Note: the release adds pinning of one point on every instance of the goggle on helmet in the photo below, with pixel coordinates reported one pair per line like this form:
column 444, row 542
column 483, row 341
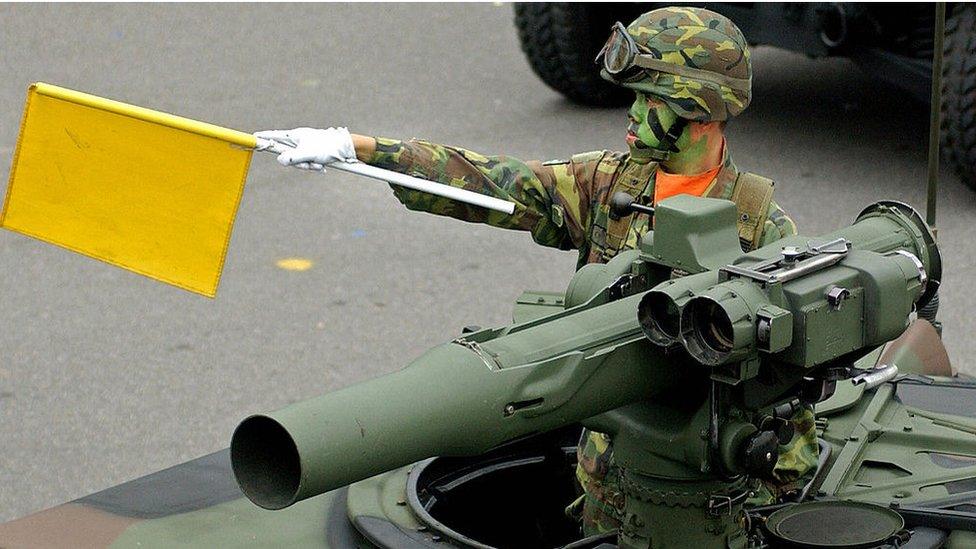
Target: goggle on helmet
column 624, row 62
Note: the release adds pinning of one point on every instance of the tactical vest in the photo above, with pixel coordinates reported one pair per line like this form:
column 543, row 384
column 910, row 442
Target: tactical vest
column 608, row 234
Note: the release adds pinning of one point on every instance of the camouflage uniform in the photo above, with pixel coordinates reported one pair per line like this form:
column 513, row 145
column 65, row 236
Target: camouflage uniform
column 706, row 77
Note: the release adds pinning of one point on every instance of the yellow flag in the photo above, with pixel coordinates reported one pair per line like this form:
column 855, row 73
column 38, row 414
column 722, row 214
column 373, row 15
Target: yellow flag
column 144, row 190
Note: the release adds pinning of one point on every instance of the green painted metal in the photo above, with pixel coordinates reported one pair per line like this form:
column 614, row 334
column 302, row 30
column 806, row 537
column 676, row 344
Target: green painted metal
column 961, row 540
column 532, row 305
column 236, row 523
column 591, row 284
column 683, row 423
column 846, row 395
column 493, row 387
column 885, row 451
column 709, row 245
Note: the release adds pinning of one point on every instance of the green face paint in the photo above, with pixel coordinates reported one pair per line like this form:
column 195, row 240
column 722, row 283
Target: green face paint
column 649, row 120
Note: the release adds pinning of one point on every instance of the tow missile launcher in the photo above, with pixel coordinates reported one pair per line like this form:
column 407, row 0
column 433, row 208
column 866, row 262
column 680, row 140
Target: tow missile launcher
column 679, row 350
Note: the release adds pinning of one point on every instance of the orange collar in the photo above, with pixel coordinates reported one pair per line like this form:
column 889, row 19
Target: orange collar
column 667, row 184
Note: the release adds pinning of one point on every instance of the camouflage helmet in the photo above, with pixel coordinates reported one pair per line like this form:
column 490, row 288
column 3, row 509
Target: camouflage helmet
column 693, row 59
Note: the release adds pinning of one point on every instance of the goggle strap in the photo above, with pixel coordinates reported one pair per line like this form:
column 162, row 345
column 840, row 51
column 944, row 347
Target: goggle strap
column 657, row 130
column 674, row 132
column 659, row 155
column 668, row 141
column 647, row 62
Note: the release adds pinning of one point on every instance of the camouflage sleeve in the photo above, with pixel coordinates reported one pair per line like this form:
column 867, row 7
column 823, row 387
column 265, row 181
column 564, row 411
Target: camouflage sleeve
column 551, row 199
column 798, row 457
column 778, row 225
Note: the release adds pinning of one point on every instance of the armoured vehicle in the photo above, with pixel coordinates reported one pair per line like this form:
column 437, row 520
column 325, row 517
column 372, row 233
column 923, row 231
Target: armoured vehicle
column 892, row 43
column 687, row 351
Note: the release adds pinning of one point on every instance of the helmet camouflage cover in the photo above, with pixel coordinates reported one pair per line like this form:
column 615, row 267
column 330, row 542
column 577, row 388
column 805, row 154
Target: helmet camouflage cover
column 695, row 38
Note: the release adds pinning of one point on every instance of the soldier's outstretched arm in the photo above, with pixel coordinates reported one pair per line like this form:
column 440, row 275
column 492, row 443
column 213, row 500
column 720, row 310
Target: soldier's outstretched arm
column 552, row 200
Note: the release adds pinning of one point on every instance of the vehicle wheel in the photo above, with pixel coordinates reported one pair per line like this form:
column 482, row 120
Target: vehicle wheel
column 561, row 40
column 959, row 93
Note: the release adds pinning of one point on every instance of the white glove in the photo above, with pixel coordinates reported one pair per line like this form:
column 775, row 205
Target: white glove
column 310, row 148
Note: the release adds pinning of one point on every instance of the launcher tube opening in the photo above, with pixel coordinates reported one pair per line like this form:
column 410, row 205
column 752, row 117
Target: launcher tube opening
column 266, row 462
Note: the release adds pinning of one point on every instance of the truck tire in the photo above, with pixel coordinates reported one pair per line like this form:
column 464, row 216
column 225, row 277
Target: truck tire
column 561, row 41
column 959, row 93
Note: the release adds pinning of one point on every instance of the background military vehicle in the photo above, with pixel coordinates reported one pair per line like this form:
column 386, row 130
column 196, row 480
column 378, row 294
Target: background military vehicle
column 891, row 42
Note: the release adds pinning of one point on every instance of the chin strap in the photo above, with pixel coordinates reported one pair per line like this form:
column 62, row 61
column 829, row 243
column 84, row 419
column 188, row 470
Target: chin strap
column 666, row 139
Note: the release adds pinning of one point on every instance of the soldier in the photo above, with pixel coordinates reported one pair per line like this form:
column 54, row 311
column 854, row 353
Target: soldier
column 691, row 72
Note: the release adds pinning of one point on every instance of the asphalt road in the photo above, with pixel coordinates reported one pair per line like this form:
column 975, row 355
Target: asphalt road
column 106, row 376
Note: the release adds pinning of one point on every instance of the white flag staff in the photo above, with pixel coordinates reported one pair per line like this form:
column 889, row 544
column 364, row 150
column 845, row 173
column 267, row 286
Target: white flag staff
column 403, row 180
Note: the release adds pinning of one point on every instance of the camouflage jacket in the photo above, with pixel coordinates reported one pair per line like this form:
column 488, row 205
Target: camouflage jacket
column 562, row 203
